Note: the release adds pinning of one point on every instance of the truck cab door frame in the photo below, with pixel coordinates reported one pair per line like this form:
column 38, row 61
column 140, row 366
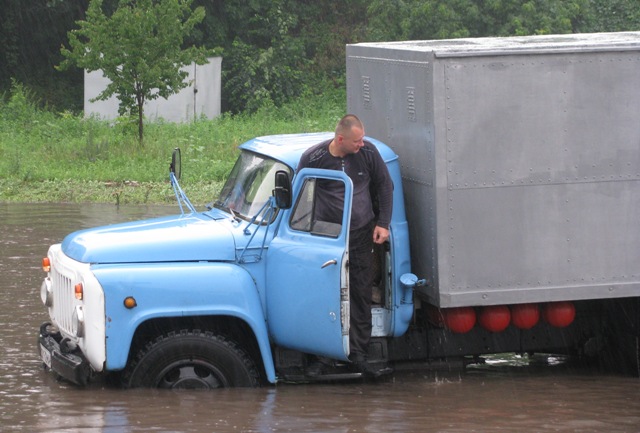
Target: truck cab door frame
column 307, row 273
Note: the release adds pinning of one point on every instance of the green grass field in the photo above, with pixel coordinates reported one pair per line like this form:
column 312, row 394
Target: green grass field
column 63, row 157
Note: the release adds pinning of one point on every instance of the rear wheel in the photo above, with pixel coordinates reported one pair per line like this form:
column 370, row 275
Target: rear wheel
column 191, row 359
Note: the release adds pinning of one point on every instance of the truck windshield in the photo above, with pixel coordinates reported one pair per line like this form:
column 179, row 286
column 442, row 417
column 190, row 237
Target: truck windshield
column 250, row 184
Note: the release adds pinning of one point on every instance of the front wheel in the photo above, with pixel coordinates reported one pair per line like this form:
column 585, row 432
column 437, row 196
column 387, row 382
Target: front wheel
column 191, row 359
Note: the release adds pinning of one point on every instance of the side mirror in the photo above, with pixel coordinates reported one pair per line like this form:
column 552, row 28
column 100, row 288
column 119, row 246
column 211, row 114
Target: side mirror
column 176, row 163
column 282, row 191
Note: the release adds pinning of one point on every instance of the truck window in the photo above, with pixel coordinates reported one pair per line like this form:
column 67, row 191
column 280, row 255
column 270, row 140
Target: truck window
column 250, row 184
column 310, row 213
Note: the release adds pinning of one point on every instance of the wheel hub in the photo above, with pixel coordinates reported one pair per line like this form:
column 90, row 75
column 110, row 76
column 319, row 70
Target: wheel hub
column 190, row 377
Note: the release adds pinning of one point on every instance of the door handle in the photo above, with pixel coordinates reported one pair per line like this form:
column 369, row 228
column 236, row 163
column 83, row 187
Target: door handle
column 329, row 262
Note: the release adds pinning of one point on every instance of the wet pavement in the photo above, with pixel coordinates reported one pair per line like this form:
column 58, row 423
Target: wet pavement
column 508, row 394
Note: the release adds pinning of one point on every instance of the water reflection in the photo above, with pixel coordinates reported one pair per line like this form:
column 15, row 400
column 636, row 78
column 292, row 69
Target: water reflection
column 506, row 394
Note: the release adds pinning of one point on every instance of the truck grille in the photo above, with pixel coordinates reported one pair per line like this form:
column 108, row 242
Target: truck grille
column 63, row 280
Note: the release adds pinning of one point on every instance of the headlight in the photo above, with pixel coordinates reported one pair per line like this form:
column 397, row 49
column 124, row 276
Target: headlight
column 78, row 321
column 46, row 293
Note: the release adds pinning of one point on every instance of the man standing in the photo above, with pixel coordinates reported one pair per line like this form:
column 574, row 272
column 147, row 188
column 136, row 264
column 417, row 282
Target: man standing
column 370, row 218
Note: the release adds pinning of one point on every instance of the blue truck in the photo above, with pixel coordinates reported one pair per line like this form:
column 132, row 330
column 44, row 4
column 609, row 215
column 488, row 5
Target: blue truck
column 516, row 170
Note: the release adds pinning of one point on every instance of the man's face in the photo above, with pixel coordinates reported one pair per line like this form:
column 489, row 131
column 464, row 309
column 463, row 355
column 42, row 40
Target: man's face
column 352, row 141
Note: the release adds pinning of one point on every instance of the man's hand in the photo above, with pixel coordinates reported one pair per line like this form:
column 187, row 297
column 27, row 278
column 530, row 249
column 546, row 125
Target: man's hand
column 380, row 235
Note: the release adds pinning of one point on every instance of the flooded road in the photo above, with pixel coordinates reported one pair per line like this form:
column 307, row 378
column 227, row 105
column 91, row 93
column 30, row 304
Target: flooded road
column 543, row 395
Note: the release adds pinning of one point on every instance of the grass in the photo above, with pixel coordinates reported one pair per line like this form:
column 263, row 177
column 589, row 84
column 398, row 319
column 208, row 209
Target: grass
column 63, row 157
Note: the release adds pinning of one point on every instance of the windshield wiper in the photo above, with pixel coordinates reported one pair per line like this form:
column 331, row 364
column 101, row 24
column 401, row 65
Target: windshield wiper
column 218, row 204
column 234, row 215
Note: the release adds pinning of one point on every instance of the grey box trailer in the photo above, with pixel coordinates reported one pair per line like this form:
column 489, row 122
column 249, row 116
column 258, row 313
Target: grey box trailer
column 520, row 160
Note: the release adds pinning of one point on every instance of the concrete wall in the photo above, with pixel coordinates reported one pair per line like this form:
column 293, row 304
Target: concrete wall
column 200, row 98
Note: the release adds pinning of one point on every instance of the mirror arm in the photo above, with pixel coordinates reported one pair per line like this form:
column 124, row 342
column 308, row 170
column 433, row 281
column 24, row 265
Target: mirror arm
column 174, row 168
column 266, row 211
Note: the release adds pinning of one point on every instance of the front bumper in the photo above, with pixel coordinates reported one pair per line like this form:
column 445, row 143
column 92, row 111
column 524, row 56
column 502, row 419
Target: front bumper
column 57, row 356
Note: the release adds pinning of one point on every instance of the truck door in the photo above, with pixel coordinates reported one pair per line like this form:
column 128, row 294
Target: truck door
column 307, row 277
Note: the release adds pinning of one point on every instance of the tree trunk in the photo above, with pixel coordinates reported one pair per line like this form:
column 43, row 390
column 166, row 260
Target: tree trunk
column 140, row 123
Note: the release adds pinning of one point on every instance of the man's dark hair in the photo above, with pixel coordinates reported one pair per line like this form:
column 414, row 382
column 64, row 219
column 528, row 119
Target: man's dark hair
column 346, row 123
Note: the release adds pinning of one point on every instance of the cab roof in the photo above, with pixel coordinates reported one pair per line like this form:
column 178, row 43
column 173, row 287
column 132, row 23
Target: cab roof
column 288, row 148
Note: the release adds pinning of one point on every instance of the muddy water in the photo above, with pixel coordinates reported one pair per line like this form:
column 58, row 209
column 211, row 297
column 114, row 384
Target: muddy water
column 508, row 395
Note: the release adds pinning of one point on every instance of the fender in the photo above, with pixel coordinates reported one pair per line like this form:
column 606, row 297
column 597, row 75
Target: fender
column 402, row 298
column 177, row 290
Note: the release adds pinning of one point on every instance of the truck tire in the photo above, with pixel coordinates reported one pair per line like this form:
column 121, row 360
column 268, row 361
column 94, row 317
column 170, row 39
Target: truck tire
column 191, row 359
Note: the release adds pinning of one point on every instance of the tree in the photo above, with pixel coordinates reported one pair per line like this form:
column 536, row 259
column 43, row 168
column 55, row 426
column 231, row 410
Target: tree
column 612, row 16
column 265, row 64
column 30, row 37
column 138, row 48
column 276, row 50
column 444, row 19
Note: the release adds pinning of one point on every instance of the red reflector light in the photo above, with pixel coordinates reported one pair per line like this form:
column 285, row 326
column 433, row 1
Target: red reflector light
column 495, row 318
column 459, row 319
column 525, row 316
column 46, row 264
column 559, row 314
column 79, row 291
